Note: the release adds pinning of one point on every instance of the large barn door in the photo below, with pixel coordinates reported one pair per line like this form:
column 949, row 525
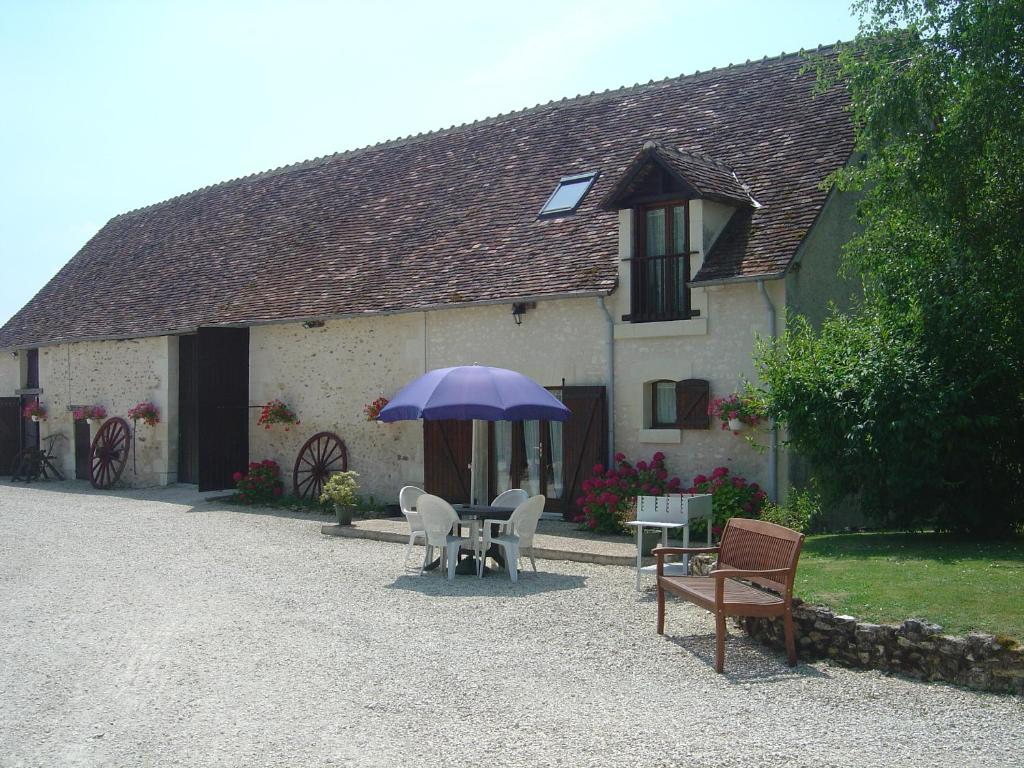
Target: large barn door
column 585, row 440
column 222, row 371
column 447, row 451
column 10, row 430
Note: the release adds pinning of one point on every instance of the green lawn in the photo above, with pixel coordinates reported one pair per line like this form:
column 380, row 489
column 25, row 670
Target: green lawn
column 961, row 584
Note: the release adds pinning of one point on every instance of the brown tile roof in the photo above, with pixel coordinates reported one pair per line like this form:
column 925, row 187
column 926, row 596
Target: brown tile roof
column 448, row 217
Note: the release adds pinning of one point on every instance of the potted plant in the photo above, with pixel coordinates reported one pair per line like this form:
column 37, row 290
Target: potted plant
column 340, row 490
column 34, row 410
column 738, row 411
column 146, row 411
column 372, row 410
column 93, row 414
column 276, row 412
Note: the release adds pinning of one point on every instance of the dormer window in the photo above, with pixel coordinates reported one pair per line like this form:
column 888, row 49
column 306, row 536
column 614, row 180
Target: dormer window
column 568, row 194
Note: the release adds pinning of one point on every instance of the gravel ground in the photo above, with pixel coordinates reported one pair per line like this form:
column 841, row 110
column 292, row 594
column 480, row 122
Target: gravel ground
column 152, row 628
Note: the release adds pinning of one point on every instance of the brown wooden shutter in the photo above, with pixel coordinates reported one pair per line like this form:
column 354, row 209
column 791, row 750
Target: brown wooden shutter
column 692, row 398
column 584, row 441
column 447, row 452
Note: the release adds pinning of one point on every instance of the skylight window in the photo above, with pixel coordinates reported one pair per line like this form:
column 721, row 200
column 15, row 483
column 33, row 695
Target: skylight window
column 569, row 194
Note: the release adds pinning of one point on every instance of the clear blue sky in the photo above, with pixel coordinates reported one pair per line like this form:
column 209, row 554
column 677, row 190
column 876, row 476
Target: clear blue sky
column 108, row 106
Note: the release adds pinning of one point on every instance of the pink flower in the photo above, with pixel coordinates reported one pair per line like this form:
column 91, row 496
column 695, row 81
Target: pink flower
column 662, row 474
column 755, row 487
column 659, row 456
column 641, row 466
column 237, row 476
column 598, row 469
column 699, row 479
column 737, row 482
column 720, row 472
column 620, row 457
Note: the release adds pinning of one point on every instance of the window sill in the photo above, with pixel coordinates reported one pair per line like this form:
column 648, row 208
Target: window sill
column 660, row 436
column 697, row 326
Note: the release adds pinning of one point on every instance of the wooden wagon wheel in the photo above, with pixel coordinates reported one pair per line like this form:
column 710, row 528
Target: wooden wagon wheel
column 322, row 455
column 109, row 453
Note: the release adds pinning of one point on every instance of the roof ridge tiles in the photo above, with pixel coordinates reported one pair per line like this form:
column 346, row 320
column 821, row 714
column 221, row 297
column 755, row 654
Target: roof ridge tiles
column 402, row 140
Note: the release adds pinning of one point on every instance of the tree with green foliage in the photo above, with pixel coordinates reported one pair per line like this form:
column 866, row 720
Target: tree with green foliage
column 915, row 399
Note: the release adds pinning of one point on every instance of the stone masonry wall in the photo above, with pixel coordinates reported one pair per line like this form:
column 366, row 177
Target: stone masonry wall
column 117, row 375
column 915, row 648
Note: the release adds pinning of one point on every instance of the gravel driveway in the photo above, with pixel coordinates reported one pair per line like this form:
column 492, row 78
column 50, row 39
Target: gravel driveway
column 153, row 628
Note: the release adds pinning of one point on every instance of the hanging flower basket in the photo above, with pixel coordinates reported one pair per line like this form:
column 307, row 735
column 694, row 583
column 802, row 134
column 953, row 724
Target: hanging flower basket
column 93, row 414
column 738, row 411
column 34, row 410
column 372, row 410
column 145, row 411
column 276, row 412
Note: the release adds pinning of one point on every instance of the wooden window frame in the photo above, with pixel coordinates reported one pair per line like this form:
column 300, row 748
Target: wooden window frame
column 640, row 258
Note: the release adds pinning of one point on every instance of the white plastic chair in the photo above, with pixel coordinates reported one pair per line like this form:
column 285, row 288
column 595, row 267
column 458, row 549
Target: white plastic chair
column 438, row 519
column 515, row 535
column 407, row 498
column 513, row 497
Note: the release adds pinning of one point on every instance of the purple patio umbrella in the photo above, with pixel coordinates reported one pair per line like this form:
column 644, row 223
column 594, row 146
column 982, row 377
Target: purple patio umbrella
column 474, row 392
column 477, row 392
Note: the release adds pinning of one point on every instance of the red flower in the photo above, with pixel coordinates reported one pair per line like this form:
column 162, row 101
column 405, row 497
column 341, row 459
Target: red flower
column 620, row 457
column 237, row 476
column 720, row 472
column 659, row 456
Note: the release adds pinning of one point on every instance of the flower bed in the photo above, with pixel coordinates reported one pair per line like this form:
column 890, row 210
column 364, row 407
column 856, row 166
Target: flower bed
column 609, row 495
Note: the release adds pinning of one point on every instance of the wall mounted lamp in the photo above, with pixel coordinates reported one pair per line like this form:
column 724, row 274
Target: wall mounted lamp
column 519, row 309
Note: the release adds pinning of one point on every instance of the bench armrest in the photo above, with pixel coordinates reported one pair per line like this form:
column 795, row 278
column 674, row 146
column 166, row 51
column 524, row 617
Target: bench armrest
column 660, row 552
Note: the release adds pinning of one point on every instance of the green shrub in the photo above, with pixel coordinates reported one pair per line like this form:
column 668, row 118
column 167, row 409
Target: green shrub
column 341, row 488
column 801, row 512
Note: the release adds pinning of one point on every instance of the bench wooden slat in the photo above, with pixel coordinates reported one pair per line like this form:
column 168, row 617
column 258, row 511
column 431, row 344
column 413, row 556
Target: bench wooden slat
column 747, row 545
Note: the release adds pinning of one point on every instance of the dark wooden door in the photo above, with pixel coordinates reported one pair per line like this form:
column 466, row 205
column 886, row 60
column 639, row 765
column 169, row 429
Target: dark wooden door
column 222, row 368
column 83, row 444
column 584, row 441
column 188, row 410
column 447, row 452
column 10, row 431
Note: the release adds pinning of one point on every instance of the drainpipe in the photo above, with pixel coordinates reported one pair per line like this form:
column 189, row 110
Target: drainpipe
column 773, row 430
column 610, row 376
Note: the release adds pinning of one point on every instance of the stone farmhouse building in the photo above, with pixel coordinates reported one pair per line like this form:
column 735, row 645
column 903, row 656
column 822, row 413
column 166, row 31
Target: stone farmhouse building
column 624, row 249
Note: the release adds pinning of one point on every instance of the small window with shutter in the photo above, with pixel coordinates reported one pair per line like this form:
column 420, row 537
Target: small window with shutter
column 692, row 398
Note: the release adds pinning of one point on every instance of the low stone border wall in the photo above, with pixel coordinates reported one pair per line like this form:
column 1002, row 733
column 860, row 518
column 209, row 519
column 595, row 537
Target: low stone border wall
column 914, row 648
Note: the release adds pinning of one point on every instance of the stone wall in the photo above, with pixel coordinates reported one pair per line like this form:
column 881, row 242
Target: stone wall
column 117, row 375
column 328, row 374
column 10, row 373
column 915, row 648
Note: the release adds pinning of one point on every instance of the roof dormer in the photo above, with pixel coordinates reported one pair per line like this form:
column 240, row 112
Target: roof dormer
column 660, row 172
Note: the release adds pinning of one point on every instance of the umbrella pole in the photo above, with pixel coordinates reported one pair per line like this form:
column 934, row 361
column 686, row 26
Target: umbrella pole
column 478, row 461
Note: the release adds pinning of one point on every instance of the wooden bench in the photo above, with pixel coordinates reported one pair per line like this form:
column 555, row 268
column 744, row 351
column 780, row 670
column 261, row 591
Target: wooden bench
column 762, row 553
